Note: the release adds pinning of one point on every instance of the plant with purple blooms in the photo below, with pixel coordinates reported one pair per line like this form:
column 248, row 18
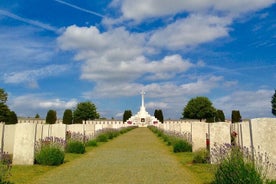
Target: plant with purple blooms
column 239, row 165
column 5, row 167
column 50, row 151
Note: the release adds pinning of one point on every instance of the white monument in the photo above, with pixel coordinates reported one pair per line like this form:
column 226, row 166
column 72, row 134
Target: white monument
column 143, row 118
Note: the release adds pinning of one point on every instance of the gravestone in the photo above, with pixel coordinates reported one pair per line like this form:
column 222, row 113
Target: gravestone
column 24, row 143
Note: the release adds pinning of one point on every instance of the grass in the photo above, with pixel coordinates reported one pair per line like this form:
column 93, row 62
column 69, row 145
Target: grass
column 205, row 172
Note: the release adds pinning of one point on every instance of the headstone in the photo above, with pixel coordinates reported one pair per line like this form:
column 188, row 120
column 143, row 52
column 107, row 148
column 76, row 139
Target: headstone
column 24, row 143
column 9, row 138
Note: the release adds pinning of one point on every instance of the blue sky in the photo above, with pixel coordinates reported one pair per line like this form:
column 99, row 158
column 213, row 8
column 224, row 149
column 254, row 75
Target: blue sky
column 57, row 53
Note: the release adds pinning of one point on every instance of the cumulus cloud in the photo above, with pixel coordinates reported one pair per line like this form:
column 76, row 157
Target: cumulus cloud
column 117, row 56
column 156, row 105
column 191, row 31
column 143, row 9
column 39, row 103
column 252, row 103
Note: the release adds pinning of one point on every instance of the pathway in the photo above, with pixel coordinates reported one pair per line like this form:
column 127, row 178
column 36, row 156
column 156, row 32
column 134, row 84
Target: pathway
column 135, row 157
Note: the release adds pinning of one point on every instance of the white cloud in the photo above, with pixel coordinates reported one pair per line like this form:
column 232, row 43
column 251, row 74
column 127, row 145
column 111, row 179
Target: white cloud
column 30, row 77
column 143, row 9
column 39, row 103
column 21, row 49
column 117, row 56
column 252, row 103
column 191, row 31
column 156, row 105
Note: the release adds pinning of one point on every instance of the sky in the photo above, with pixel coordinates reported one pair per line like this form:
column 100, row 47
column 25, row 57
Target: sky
column 55, row 54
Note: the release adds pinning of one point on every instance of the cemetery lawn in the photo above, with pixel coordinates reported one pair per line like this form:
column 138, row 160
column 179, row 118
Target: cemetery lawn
column 135, row 157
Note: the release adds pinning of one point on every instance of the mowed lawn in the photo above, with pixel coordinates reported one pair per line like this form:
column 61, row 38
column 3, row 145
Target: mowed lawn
column 135, row 157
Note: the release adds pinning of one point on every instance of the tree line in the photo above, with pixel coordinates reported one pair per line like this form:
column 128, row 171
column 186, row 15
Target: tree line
column 197, row 108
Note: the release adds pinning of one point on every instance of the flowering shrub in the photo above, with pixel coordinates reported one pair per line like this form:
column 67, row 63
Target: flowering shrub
column 50, row 151
column 73, row 136
column 179, row 143
column 201, row 156
column 75, row 147
column 5, row 167
column 92, row 143
column 238, row 165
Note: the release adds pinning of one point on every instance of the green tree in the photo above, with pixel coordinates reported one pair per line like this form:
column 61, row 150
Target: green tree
column 273, row 104
column 4, row 112
column 4, row 109
column 236, row 116
column 3, row 96
column 51, row 117
column 67, row 116
column 220, row 117
column 37, row 116
column 85, row 111
column 158, row 114
column 127, row 115
column 199, row 108
column 12, row 118
column 217, row 117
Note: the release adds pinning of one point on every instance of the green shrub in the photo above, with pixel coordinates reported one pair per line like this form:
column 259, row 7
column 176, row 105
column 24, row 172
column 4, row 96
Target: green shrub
column 102, row 138
column 49, row 155
column 235, row 168
column 201, row 156
column 75, row 147
column 92, row 143
column 182, row 146
column 5, row 167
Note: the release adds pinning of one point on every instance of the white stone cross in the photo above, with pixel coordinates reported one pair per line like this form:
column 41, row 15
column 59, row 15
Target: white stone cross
column 143, row 93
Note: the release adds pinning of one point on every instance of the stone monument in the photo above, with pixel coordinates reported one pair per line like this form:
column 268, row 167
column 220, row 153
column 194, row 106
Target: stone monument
column 143, row 118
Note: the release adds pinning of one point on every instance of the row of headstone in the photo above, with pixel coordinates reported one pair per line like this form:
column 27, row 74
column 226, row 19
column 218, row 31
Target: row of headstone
column 256, row 135
column 19, row 139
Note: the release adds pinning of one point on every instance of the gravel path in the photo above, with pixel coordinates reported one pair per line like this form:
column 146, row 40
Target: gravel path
column 135, row 157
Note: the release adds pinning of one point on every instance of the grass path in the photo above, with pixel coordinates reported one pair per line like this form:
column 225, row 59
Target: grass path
column 135, row 157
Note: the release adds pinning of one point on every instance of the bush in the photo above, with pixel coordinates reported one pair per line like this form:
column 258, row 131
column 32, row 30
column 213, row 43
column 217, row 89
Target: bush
column 75, row 147
column 239, row 167
column 92, row 143
column 50, row 155
column 182, row 146
column 201, row 156
column 102, row 138
column 5, row 167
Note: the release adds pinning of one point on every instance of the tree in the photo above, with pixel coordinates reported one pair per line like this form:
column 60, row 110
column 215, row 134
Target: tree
column 236, row 116
column 4, row 109
column 12, row 118
column 217, row 117
column 127, row 115
column 199, row 108
column 67, row 116
column 220, row 117
column 158, row 114
column 37, row 116
column 3, row 96
column 51, row 117
column 85, row 111
column 4, row 112
column 273, row 104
